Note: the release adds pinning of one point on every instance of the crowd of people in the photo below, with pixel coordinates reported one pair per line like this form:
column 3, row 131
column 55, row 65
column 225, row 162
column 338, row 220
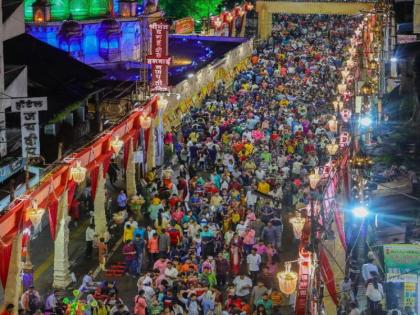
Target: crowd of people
column 213, row 239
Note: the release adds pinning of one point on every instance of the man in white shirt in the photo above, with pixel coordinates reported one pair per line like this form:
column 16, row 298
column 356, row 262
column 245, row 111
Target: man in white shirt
column 251, row 199
column 253, row 260
column 369, row 270
column 240, row 228
column 170, row 273
column 243, row 286
column 90, row 237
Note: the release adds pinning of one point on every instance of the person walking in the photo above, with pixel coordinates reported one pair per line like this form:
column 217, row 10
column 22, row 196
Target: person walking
column 89, row 237
column 102, row 253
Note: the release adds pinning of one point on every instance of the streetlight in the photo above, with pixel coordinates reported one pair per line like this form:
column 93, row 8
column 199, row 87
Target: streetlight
column 365, row 121
column 360, row 212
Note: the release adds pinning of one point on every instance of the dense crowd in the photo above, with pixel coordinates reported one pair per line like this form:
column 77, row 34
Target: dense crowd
column 239, row 176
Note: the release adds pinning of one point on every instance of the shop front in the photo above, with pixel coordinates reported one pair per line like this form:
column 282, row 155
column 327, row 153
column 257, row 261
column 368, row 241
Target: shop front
column 402, row 266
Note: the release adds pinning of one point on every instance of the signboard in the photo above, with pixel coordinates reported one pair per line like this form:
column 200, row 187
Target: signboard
column 410, row 294
column 184, row 26
column 29, row 123
column 405, row 39
column 9, row 169
column 3, row 140
column 402, row 258
column 159, row 58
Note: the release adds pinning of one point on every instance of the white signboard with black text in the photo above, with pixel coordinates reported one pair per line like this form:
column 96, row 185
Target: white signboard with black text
column 29, row 122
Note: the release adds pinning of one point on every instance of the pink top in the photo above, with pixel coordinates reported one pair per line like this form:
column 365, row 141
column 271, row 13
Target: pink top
column 161, row 265
column 261, row 249
column 249, row 237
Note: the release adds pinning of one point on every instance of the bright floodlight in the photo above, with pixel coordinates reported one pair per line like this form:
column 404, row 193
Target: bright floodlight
column 394, row 59
column 365, row 121
column 190, row 75
column 360, row 212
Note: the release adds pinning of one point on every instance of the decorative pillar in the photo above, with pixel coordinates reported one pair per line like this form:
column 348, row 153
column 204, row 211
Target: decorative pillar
column 61, row 278
column 130, row 173
column 99, row 205
column 264, row 22
column 13, row 286
column 242, row 33
column 151, row 154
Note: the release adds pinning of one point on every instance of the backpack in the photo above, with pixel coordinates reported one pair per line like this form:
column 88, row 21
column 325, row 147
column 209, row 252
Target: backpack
column 33, row 302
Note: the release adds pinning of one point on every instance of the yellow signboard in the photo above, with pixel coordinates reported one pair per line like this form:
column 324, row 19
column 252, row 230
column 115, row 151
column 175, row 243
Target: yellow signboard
column 410, row 294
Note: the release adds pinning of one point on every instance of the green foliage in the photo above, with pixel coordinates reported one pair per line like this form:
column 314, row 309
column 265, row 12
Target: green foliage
column 198, row 9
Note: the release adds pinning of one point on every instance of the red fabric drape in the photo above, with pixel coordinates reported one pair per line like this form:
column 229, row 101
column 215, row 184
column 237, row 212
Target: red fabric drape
column 339, row 224
column 106, row 163
column 94, row 180
column 52, row 217
column 146, row 143
column 5, row 255
column 126, row 152
column 328, row 275
column 71, row 187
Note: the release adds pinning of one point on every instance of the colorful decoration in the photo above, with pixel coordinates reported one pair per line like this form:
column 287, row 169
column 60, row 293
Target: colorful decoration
column 35, row 214
column 78, row 173
column 287, row 280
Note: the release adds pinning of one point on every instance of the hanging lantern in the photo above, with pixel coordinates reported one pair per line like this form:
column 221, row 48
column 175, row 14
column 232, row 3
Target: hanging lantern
column 340, row 105
column 287, row 280
column 345, row 73
column 366, row 89
column 35, row 214
column 228, row 17
column 145, row 121
column 342, row 88
column 332, row 124
column 162, row 104
column 249, row 6
column 345, row 114
column 344, row 139
column 78, row 173
column 217, row 22
column 314, row 178
column 116, row 144
column 373, row 65
column 332, row 148
column 297, row 223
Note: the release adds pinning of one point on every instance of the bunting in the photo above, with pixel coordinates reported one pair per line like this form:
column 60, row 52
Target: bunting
column 52, row 217
column 5, row 255
column 106, row 163
column 327, row 275
column 71, row 188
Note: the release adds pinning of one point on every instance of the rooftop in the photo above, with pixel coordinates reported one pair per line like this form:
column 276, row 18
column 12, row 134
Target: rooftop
column 51, row 72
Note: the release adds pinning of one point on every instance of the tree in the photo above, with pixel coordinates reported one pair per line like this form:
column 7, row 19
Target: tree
column 177, row 9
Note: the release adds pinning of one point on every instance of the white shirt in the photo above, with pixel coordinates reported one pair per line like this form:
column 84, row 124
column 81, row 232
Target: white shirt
column 367, row 269
column 253, row 262
column 171, row 274
column 242, row 286
column 90, row 234
column 240, row 229
column 251, row 199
